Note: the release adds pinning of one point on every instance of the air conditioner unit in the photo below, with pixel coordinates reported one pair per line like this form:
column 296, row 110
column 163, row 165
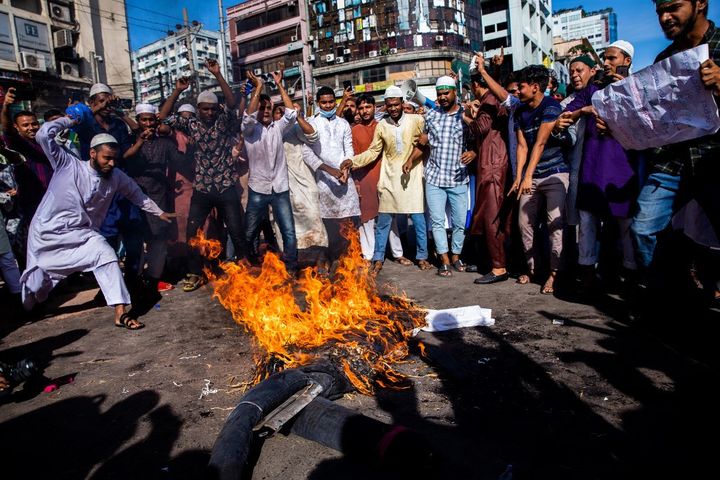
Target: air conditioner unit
column 63, row 38
column 33, row 61
column 439, row 38
column 293, row 38
column 60, row 12
column 257, row 71
column 373, row 53
column 340, row 60
column 311, row 38
column 69, row 70
column 311, row 57
column 393, row 50
column 346, row 51
column 291, row 91
column 330, row 58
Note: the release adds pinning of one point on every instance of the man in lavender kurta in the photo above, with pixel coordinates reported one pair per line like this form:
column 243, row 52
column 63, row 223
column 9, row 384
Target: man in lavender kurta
column 64, row 234
column 608, row 184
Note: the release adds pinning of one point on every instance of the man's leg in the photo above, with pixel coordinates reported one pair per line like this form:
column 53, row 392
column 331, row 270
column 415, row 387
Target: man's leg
column 110, row 279
column 527, row 218
column 436, row 200
column 655, row 209
column 231, row 213
column 155, row 258
column 382, row 230
column 10, row 272
column 367, row 238
column 457, row 196
column 588, row 238
column 555, row 188
column 396, row 247
column 420, row 227
column 282, row 210
column 626, row 243
column 257, row 207
column 200, row 206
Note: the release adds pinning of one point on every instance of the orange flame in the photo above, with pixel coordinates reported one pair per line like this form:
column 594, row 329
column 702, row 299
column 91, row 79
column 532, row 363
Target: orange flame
column 343, row 317
column 208, row 247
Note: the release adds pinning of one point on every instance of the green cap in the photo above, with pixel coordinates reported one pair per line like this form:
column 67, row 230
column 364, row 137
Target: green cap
column 586, row 59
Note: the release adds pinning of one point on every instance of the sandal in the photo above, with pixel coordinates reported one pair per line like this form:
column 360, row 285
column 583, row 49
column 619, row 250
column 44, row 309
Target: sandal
column 130, row 323
column 403, row 261
column 424, row 265
column 444, row 270
column 459, row 265
column 376, row 267
column 193, row 282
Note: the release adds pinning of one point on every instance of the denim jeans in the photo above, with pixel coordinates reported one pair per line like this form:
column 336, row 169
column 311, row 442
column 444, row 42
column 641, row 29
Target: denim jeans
column 655, row 209
column 437, row 200
column 382, row 231
column 282, row 211
column 230, row 212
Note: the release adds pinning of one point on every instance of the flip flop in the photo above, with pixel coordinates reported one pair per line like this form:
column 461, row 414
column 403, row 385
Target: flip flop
column 459, row 265
column 424, row 265
column 444, row 270
column 127, row 322
column 403, row 261
column 193, row 282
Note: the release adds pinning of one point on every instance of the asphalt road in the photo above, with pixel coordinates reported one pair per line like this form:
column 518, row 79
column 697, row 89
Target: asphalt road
column 597, row 394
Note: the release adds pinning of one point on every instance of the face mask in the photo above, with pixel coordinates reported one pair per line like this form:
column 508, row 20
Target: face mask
column 547, row 92
column 329, row 115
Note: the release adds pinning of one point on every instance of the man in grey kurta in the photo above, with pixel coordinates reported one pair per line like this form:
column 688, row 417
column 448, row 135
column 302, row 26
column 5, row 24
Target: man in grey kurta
column 64, row 233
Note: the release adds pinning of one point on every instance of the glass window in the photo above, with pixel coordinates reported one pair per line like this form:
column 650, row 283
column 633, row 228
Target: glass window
column 266, row 18
column 489, row 29
column 27, row 5
column 266, row 42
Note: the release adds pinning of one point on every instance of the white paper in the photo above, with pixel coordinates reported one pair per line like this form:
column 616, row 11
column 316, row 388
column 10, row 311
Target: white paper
column 461, row 317
column 662, row 104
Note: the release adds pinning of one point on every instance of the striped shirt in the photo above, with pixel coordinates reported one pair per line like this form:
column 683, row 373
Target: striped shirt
column 529, row 120
column 448, row 136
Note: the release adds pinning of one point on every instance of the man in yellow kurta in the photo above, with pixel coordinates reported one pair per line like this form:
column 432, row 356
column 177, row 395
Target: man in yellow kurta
column 400, row 193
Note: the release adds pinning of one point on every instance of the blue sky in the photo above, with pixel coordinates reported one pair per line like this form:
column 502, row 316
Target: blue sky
column 637, row 22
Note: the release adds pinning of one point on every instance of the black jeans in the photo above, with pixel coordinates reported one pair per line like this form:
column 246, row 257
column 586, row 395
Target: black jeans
column 337, row 243
column 229, row 211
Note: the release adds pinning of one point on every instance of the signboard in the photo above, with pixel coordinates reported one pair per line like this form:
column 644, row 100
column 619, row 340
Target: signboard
column 291, row 72
column 33, row 35
column 7, row 49
column 292, row 46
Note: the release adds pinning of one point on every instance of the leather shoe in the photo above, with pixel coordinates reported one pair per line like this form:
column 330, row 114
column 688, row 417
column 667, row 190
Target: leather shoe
column 491, row 278
column 471, row 268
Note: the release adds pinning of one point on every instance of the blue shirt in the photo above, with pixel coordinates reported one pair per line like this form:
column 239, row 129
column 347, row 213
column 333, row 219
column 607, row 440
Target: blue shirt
column 529, row 120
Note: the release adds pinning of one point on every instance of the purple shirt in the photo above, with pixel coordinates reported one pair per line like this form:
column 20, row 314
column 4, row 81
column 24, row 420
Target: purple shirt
column 608, row 183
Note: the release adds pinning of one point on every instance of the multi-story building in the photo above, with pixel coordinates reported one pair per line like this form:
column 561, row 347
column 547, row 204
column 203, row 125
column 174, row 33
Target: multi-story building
column 370, row 44
column 376, row 44
column 157, row 65
column 522, row 27
column 600, row 28
column 52, row 50
column 267, row 35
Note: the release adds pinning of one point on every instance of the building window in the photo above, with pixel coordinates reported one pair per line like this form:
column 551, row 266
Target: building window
column 374, row 75
column 32, row 6
column 502, row 26
column 496, row 43
column 265, row 42
column 489, row 29
column 265, row 18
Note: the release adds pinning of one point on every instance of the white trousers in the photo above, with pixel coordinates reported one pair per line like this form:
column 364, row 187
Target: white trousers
column 589, row 244
column 367, row 239
column 39, row 283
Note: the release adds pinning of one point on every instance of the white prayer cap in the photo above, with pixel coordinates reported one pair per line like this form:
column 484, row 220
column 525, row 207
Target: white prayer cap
column 445, row 82
column 102, row 138
column 100, row 88
column 414, row 105
column 624, row 46
column 145, row 108
column 207, row 97
column 394, row 92
column 186, row 107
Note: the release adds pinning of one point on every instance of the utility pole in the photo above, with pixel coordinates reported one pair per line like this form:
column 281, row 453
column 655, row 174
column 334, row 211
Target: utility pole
column 222, row 56
column 188, row 43
column 162, row 90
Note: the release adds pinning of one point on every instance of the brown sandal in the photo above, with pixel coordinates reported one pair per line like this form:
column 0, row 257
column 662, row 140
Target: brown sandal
column 403, row 261
column 424, row 265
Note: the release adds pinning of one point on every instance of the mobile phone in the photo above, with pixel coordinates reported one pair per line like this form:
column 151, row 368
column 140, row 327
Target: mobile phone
column 623, row 71
column 347, row 84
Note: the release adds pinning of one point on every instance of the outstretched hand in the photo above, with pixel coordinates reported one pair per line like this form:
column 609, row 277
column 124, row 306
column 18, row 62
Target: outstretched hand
column 9, row 96
column 167, row 217
column 182, row 84
column 213, row 66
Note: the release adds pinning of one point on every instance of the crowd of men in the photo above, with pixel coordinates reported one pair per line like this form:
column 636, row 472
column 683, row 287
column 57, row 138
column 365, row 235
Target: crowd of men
column 518, row 170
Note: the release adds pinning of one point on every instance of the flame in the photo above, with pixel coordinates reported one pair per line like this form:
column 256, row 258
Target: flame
column 208, row 248
column 344, row 318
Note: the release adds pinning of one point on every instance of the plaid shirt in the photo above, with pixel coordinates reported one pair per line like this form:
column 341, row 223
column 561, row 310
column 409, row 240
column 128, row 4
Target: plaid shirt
column 673, row 159
column 215, row 169
column 449, row 137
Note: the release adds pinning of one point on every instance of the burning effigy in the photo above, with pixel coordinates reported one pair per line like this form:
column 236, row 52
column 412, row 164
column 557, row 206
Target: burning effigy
column 342, row 319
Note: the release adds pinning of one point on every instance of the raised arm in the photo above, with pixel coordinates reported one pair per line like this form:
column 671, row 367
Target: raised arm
column 258, row 88
column 308, row 130
column 181, row 85
column 6, row 121
column 214, row 67
column 57, row 156
column 493, row 85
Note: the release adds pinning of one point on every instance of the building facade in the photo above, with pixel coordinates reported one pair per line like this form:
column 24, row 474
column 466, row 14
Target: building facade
column 54, row 50
column 522, row 27
column 373, row 45
column 267, row 35
column 157, row 65
column 600, row 28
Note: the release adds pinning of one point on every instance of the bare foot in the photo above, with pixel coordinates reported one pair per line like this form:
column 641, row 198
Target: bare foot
column 523, row 279
column 549, row 283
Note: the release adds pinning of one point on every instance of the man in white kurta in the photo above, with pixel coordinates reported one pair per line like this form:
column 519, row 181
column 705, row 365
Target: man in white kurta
column 64, row 233
column 400, row 192
column 338, row 196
